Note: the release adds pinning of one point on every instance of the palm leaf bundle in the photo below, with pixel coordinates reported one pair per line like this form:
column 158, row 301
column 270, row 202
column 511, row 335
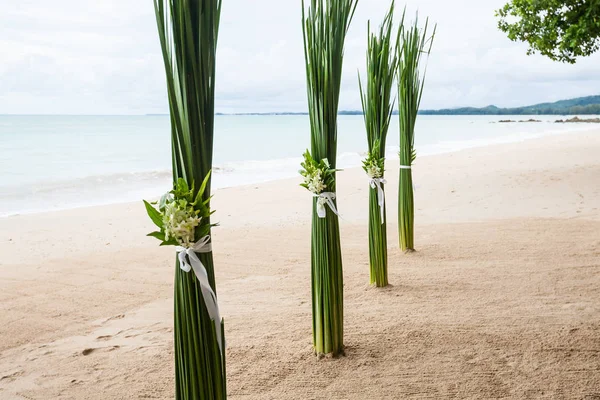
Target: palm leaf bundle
column 188, row 31
column 412, row 44
column 377, row 107
column 325, row 25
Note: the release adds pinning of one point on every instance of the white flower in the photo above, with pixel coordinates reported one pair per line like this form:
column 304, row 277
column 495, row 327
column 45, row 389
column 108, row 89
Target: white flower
column 180, row 223
column 315, row 182
column 374, row 171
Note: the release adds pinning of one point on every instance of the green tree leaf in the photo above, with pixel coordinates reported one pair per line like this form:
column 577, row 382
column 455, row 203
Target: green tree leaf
column 559, row 29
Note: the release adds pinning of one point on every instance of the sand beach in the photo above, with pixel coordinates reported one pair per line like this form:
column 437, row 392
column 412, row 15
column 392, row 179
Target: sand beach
column 501, row 299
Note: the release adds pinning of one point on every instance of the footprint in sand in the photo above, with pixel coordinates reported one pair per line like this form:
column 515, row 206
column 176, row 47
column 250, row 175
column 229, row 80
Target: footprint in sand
column 11, row 377
column 120, row 316
column 88, row 351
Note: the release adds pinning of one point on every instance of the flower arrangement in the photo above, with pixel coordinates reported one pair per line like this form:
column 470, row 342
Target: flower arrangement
column 374, row 165
column 179, row 215
column 319, row 176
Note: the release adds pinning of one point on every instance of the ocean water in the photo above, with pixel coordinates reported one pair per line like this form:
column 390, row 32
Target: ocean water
column 60, row 162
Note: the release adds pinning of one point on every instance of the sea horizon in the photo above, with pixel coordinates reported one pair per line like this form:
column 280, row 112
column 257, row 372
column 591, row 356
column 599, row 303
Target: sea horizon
column 541, row 109
column 88, row 160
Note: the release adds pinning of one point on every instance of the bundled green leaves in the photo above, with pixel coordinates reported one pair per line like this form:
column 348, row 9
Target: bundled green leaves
column 324, row 27
column 374, row 166
column 413, row 43
column 188, row 33
column 377, row 104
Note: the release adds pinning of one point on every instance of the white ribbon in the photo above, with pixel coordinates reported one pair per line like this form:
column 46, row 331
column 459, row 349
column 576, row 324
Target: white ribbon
column 408, row 167
column 376, row 183
column 325, row 198
column 209, row 296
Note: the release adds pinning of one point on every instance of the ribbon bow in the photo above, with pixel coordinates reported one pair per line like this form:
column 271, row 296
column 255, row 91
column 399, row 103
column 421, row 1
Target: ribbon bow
column 325, row 198
column 377, row 183
column 188, row 260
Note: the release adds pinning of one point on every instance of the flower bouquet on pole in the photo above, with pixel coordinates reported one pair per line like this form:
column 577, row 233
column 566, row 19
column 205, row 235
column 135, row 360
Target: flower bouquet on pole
column 318, row 176
column 374, row 166
column 324, row 26
column 413, row 43
column 188, row 33
column 377, row 107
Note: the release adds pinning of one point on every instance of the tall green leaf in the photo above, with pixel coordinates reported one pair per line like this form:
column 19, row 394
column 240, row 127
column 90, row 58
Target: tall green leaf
column 188, row 33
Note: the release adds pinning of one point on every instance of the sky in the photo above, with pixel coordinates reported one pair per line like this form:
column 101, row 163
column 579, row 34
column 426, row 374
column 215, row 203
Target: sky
column 103, row 57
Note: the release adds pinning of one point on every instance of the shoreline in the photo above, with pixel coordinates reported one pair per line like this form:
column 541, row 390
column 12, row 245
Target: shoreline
column 473, row 145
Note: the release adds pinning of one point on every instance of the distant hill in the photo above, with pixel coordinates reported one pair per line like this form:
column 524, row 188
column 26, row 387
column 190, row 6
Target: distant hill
column 580, row 106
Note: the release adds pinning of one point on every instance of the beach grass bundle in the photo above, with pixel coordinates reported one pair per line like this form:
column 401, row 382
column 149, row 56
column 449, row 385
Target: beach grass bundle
column 188, row 31
column 413, row 43
column 377, row 104
column 325, row 25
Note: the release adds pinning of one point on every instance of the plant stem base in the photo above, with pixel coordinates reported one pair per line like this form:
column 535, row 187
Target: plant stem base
column 199, row 363
column 406, row 210
column 378, row 257
column 321, row 356
column 327, row 284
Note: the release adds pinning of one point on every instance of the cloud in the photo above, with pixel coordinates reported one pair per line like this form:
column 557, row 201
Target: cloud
column 74, row 57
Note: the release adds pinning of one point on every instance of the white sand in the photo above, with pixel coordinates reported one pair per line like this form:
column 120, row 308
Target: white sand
column 502, row 298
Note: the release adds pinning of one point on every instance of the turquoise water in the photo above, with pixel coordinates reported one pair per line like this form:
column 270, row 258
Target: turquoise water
column 58, row 162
